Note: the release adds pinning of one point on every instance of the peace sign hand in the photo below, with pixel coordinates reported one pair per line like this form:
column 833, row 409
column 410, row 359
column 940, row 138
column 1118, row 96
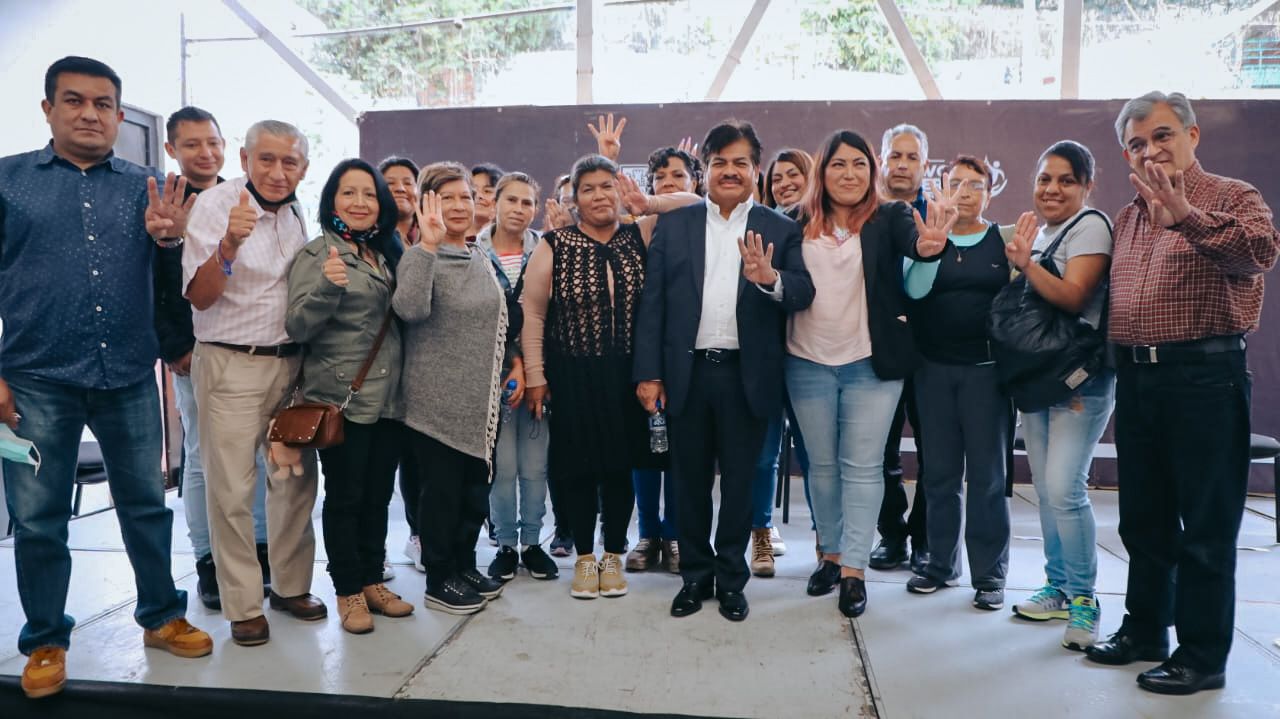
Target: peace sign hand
column 430, row 221
column 1018, row 251
column 167, row 216
column 608, row 136
column 1166, row 197
column 633, row 198
column 757, row 260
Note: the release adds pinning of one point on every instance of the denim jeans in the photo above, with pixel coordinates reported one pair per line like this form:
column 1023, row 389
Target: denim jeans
column 126, row 422
column 765, row 487
column 654, row 523
column 844, row 412
column 520, row 459
column 194, row 502
column 1060, row 442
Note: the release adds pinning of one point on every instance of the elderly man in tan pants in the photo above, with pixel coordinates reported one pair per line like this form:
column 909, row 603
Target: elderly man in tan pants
column 241, row 239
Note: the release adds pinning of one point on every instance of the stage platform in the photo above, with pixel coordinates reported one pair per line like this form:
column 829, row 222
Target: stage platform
column 538, row 653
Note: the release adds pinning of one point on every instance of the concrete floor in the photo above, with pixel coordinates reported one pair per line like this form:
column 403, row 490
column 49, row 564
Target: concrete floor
column 795, row 656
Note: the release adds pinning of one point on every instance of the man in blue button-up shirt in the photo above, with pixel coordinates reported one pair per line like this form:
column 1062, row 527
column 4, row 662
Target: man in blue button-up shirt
column 79, row 348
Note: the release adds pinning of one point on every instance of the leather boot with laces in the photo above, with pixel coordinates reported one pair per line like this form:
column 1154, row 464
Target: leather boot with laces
column 761, row 553
column 671, row 555
column 386, row 602
column 354, row 612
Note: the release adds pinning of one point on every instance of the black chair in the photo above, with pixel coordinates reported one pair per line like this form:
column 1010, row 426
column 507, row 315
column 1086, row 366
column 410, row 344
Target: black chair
column 782, row 492
column 90, row 469
column 1263, row 447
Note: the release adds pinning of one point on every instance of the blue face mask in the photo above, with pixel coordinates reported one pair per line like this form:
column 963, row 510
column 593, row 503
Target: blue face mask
column 17, row 449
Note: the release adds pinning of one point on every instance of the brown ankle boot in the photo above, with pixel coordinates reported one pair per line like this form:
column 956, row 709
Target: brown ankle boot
column 386, row 602
column 354, row 612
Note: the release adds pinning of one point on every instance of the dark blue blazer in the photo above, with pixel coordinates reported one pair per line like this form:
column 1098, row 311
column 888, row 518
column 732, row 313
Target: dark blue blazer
column 671, row 307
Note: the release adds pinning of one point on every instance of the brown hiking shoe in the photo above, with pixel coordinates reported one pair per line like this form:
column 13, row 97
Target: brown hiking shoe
column 179, row 638
column 671, row 555
column 644, row 556
column 45, row 673
column 386, row 602
column 761, row 553
column 612, row 583
column 354, row 613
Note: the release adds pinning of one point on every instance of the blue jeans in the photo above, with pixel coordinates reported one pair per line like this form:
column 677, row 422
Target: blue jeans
column 1060, row 442
column 520, row 458
column 126, row 422
column 654, row 523
column 194, row 502
column 765, row 487
column 844, row 413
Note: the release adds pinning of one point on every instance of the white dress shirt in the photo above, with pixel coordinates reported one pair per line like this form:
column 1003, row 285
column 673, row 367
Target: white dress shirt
column 252, row 308
column 718, row 325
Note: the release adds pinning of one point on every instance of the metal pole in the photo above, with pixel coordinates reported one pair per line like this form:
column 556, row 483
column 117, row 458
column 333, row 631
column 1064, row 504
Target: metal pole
column 182, row 57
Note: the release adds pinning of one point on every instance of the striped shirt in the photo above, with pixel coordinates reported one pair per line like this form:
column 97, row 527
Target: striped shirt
column 1200, row 278
column 511, row 266
column 252, row 308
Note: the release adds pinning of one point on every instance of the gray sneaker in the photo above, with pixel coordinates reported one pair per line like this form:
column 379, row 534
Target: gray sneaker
column 1082, row 627
column 989, row 599
column 1048, row 603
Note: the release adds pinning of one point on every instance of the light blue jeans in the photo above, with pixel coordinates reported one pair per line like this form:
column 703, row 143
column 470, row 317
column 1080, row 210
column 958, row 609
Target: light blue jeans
column 194, row 503
column 844, row 414
column 519, row 459
column 1060, row 442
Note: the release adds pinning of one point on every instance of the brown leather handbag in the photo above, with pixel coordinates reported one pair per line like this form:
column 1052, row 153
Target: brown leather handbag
column 317, row 425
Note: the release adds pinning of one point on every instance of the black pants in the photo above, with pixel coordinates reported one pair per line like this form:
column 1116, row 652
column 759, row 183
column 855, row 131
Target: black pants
column 451, row 508
column 1182, row 447
column 894, row 528
column 611, row 493
column 410, row 487
column 359, row 477
column 716, row 425
column 558, row 489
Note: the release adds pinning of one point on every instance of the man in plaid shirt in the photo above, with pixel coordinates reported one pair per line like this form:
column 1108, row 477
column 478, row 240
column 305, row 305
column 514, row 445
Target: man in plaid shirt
column 1186, row 286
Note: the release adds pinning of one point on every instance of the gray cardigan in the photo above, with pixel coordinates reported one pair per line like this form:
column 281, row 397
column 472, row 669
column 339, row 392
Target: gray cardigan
column 455, row 317
column 338, row 325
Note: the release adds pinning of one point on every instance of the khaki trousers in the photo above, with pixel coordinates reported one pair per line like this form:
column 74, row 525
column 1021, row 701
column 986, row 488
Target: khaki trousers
column 237, row 394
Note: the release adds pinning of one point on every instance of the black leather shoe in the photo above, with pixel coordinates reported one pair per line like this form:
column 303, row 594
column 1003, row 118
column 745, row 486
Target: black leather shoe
column 919, row 560
column 888, row 555
column 1174, row 677
column 1120, row 648
column 824, row 579
column 690, row 598
column 733, row 605
column 853, row 596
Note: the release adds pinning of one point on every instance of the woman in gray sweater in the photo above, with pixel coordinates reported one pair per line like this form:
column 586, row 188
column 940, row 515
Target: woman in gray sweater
column 340, row 288
column 455, row 323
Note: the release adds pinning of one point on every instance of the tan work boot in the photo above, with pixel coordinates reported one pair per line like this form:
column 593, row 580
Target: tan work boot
column 671, row 555
column 45, row 673
column 386, row 602
column 179, row 638
column 612, row 583
column 354, row 613
column 644, row 556
column 586, row 578
column 761, row 553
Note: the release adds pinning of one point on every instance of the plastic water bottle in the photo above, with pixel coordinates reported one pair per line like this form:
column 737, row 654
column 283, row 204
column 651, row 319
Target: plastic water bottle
column 658, row 430
column 507, row 391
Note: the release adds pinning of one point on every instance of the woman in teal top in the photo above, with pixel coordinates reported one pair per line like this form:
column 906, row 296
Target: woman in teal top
column 967, row 419
column 340, row 289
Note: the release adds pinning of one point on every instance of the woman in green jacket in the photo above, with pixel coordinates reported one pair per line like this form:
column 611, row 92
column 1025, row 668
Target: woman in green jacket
column 340, row 289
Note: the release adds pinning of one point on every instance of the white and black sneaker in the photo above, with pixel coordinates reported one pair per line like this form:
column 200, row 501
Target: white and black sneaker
column 503, row 566
column 989, row 599
column 925, row 584
column 454, row 596
column 484, row 586
column 540, row 566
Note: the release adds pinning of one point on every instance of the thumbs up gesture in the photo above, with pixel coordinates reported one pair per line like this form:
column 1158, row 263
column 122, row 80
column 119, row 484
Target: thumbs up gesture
column 335, row 270
column 241, row 221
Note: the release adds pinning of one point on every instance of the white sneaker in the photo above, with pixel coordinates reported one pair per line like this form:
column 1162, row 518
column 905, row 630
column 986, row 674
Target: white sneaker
column 775, row 538
column 388, row 571
column 413, row 550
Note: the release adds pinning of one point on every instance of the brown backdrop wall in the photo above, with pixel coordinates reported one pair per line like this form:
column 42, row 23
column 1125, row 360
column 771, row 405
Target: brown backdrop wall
column 1237, row 139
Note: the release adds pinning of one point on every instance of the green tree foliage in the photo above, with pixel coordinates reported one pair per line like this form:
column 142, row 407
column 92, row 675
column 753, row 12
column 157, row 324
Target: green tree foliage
column 437, row 65
column 861, row 39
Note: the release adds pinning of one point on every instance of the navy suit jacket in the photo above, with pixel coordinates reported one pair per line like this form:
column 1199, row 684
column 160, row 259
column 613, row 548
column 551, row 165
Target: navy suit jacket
column 671, row 307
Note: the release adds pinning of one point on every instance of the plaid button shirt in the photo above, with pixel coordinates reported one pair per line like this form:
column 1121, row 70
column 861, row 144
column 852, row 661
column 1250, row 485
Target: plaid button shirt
column 1200, row 278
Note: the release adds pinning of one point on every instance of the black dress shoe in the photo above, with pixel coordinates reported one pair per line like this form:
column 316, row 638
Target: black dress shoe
column 853, row 596
column 1120, row 648
column 733, row 605
column 824, row 579
column 888, row 554
column 1174, row 677
column 690, row 598
column 919, row 560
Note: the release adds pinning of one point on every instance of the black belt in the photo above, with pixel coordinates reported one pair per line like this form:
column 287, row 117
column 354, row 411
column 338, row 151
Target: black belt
column 285, row 350
column 717, row 356
column 1180, row 351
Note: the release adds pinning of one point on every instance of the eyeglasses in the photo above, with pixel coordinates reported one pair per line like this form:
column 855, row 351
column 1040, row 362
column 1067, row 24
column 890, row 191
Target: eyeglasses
column 974, row 185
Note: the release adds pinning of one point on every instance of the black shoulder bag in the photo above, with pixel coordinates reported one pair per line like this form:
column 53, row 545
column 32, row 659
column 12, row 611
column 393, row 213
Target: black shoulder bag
column 1042, row 353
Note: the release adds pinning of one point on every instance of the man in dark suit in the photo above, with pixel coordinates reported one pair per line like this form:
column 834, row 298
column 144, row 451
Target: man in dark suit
column 709, row 352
